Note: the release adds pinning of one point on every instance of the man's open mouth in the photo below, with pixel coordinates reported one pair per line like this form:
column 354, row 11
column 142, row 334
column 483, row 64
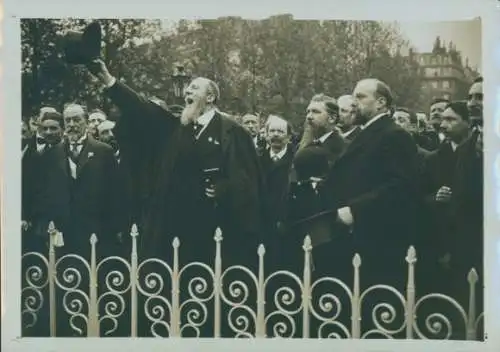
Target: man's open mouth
column 189, row 101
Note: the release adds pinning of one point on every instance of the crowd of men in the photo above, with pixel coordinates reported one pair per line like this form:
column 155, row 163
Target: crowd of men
column 364, row 176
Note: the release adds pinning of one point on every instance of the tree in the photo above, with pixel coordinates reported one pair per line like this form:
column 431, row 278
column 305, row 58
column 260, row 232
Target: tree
column 270, row 66
column 48, row 80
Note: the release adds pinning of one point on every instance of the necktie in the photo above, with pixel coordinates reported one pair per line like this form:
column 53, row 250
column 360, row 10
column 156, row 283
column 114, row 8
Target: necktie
column 40, row 140
column 74, row 152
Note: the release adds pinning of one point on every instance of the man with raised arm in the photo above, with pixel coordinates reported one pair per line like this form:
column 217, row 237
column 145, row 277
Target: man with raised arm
column 201, row 172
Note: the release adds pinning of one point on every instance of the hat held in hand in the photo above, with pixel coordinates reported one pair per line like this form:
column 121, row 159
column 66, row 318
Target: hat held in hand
column 80, row 48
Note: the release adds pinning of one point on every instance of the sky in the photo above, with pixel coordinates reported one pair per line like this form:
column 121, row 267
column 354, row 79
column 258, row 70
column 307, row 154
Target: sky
column 465, row 34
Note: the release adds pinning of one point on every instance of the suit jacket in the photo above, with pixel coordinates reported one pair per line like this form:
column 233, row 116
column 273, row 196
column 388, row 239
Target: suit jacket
column 276, row 177
column 465, row 241
column 154, row 137
column 82, row 206
column 350, row 137
column 439, row 168
column 335, row 146
column 376, row 178
column 423, row 155
column 316, row 159
column 29, row 170
column 33, row 164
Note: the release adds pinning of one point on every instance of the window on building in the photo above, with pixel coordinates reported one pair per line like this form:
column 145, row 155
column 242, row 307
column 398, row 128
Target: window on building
column 434, row 84
column 446, row 84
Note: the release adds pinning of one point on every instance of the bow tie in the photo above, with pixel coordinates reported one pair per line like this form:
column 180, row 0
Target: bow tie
column 40, row 140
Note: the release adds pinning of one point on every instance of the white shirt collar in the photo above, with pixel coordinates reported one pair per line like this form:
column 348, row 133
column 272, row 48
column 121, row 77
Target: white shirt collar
column 346, row 134
column 40, row 147
column 323, row 138
column 206, row 117
column 453, row 145
column 256, row 141
column 204, row 120
column 279, row 154
column 373, row 119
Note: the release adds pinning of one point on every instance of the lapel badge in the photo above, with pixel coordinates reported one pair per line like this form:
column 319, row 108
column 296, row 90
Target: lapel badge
column 90, row 154
column 210, row 139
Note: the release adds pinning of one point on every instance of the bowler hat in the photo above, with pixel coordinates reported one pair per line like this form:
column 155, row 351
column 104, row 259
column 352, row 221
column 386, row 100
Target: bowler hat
column 80, row 48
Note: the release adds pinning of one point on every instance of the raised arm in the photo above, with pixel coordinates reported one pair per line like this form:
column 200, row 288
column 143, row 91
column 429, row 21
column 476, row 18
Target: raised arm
column 138, row 112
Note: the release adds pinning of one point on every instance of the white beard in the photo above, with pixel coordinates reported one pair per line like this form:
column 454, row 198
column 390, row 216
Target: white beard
column 191, row 112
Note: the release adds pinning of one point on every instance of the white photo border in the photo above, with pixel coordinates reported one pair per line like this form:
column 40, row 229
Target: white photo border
column 419, row 10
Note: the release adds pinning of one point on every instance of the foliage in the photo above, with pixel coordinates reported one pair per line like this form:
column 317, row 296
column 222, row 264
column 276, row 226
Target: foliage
column 269, row 66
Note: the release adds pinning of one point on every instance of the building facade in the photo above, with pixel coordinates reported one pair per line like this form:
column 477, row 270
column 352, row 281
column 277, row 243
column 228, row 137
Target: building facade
column 444, row 72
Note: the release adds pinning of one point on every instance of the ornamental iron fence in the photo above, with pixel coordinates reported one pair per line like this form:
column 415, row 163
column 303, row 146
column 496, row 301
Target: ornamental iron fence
column 92, row 301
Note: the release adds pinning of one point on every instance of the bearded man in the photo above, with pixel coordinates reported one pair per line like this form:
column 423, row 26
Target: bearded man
column 202, row 173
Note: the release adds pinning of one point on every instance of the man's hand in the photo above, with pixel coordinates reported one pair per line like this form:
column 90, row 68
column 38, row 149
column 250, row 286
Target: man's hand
column 444, row 194
column 344, row 215
column 98, row 68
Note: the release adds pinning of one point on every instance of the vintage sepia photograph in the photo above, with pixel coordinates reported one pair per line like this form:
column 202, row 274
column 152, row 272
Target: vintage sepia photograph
column 252, row 178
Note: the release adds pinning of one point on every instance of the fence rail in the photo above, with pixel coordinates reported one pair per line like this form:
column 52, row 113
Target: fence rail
column 156, row 303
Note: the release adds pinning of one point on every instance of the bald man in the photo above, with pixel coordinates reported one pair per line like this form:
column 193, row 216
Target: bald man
column 198, row 172
column 371, row 189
